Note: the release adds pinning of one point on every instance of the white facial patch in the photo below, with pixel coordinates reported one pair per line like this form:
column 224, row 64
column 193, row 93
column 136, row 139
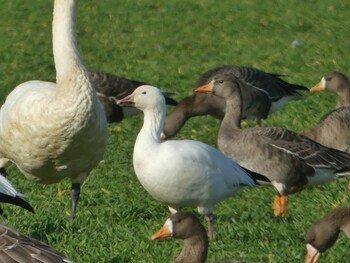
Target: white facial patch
column 323, row 83
column 312, row 253
column 169, row 226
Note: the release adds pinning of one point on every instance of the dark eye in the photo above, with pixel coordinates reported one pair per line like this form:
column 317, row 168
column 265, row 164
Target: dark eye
column 144, row 92
column 221, row 81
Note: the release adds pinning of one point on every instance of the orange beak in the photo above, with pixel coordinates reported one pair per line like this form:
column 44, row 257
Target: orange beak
column 312, row 254
column 320, row 86
column 206, row 88
column 165, row 231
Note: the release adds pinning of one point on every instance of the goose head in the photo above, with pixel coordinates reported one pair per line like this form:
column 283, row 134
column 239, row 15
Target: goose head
column 144, row 98
column 324, row 232
column 224, row 86
column 181, row 225
column 333, row 82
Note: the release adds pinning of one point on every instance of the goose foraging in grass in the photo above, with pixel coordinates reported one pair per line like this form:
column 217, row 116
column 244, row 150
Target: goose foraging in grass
column 53, row 131
column 289, row 160
column 186, row 226
column 181, row 173
column 16, row 247
column 264, row 93
column 110, row 88
column 324, row 232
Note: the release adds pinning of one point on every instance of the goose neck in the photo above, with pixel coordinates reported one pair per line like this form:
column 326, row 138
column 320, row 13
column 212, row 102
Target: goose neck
column 153, row 123
column 195, row 250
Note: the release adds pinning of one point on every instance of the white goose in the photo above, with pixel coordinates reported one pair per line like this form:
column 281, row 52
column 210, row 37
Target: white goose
column 181, row 172
column 53, row 131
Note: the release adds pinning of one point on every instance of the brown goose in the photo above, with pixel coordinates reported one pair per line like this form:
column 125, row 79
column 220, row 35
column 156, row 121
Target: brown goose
column 324, row 232
column 186, row 226
column 110, row 88
column 337, row 83
column 333, row 129
column 16, row 247
column 266, row 93
column 291, row 161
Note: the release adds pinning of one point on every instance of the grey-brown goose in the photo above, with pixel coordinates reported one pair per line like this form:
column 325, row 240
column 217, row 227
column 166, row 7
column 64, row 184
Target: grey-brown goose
column 333, row 129
column 186, row 226
column 266, row 93
column 337, row 83
column 16, row 247
column 324, row 232
column 291, row 161
column 110, row 88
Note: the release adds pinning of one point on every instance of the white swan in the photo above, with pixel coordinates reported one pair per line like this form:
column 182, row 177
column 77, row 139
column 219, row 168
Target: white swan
column 180, row 172
column 53, row 131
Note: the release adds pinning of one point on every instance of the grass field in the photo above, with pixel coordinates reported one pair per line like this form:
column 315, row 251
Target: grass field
column 169, row 43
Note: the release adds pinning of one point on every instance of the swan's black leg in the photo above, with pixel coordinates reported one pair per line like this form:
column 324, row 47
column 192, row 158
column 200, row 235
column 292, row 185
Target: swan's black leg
column 75, row 193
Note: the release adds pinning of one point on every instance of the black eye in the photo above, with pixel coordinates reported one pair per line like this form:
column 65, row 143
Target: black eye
column 144, row 92
column 221, row 81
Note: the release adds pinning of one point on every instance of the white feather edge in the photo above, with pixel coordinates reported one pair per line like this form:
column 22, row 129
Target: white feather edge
column 6, row 187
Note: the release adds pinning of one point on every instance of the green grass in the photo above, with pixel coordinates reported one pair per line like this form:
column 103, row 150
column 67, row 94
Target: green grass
column 169, row 43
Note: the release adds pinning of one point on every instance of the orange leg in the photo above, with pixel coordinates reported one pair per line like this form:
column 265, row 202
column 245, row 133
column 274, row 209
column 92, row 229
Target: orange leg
column 277, row 205
column 280, row 205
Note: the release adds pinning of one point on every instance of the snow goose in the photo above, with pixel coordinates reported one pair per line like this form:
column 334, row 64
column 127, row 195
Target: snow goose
column 337, row 83
column 53, row 131
column 185, row 226
column 290, row 161
column 16, row 247
column 266, row 93
column 180, row 173
column 324, row 232
column 110, row 88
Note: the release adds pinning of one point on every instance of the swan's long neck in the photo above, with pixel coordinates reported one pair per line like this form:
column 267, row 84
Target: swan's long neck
column 69, row 66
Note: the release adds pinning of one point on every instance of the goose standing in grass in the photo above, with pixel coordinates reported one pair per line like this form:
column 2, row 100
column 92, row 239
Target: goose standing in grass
column 324, row 232
column 264, row 94
column 290, row 161
column 181, row 173
column 186, row 226
column 16, row 247
column 110, row 88
column 333, row 129
column 53, row 131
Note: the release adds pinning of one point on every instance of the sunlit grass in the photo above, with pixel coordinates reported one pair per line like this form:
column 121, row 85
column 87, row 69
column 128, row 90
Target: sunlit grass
column 168, row 44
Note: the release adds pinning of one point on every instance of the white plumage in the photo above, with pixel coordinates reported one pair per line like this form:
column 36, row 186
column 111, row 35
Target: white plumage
column 53, row 131
column 180, row 172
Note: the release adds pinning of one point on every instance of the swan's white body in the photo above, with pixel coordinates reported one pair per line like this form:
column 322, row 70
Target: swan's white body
column 52, row 131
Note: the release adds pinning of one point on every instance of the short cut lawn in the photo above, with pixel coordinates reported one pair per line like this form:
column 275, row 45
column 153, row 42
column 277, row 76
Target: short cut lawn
column 169, row 44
